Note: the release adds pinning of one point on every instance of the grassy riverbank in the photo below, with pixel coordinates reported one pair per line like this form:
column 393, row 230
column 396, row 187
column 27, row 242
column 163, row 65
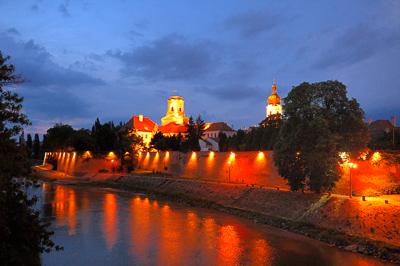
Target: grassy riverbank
column 345, row 223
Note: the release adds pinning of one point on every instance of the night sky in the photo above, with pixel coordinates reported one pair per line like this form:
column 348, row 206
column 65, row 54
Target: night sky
column 113, row 59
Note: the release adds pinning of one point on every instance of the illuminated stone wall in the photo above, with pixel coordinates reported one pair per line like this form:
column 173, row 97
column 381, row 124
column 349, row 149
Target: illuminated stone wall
column 369, row 178
column 241, row 167
column 85, row 164
column 258, row 168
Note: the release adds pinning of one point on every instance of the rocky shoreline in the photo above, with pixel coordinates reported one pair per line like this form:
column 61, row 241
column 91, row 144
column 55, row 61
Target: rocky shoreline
column 294, row 212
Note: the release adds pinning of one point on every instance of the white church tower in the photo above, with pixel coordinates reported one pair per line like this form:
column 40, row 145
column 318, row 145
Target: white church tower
column 274, row 102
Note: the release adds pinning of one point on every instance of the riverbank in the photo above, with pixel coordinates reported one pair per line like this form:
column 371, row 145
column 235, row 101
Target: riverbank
column 368, row 227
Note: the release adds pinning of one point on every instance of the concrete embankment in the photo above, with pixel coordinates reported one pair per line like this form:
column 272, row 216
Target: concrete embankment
column 370, row 227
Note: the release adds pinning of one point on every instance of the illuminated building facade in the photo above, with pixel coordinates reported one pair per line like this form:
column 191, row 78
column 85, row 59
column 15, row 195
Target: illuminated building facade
column 143, row 127
column 174, row 123
column 175, row 112
column 274, row 106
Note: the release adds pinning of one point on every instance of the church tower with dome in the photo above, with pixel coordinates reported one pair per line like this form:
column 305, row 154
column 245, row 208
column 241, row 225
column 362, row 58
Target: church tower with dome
column 274, row 106
column 175, row 112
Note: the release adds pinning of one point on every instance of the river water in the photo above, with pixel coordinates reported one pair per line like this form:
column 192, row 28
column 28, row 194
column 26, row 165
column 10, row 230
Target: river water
column 98, row 226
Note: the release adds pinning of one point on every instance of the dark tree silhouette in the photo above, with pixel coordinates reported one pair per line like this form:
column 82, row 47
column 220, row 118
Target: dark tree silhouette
column 320, row 122
column 22, row 232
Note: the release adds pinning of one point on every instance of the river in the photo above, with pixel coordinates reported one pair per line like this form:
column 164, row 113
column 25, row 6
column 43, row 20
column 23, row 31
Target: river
column 99, row 226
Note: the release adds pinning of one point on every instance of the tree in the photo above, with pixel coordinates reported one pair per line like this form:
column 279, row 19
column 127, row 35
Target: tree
column 21, row 140
column 158, row 142
column 105, row 136
column 164, row 143
column 58, row 137
column 29, row 145
column 200, row 127
column 23, row 234
column 320, row 122
column 36, row 146
column 192, row 141
column 223, row 141
column 82, row 140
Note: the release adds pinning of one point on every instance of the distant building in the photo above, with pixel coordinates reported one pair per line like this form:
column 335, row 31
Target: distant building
column 212, row 130
column 209, row 144
column 210, row 140
column 143, row 127
column 379, row 128
column 273, row 103
column 175, row 121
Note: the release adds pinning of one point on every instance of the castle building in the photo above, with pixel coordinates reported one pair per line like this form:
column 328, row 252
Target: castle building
column 175, row 123
column 274, row 106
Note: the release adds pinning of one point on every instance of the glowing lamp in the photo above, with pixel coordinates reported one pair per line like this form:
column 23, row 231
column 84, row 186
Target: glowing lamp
column 376, row 157
column 352, row 165
column 232, row 156
column 87, row 154
column 211, row 155
column 260, row 155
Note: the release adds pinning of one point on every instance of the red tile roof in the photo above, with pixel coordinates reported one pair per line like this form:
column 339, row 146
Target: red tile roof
column 218, row 126
column 173, row 128
column 146, row 125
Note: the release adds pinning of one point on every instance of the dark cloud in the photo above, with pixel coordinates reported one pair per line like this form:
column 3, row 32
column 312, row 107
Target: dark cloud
column 357, row 44
column 50, row 90
column 53, row 102
column 252, row 23
column 64, row 8
column 234, row 92
column 35, row 6
column 37, row 67
column 13, row 31
column 172, row 57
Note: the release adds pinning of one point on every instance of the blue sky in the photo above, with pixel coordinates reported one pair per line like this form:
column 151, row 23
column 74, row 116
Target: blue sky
column 83, row 59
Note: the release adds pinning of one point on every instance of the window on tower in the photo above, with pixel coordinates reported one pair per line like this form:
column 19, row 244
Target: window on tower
column 172, row 109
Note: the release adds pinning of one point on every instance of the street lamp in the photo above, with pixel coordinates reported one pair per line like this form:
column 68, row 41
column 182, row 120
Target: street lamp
column 229, row 171
column 351, row 166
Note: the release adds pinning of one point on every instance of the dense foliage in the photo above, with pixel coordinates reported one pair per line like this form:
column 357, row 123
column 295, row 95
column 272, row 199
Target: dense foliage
column 388, row 141
column 22, row 233
column 102, row 139
column 262, row 137
column 189, row 142
column 320, row 122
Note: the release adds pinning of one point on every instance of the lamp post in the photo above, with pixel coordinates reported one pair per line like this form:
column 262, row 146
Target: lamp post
column 229, row 171
column 351, row 166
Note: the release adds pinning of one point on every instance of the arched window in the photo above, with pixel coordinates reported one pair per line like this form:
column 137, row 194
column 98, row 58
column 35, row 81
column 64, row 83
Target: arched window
column 172, row 109
column 180, row 109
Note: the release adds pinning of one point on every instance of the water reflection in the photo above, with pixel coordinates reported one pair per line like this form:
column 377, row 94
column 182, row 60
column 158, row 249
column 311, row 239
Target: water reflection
column 105, row 227
column 110, row 222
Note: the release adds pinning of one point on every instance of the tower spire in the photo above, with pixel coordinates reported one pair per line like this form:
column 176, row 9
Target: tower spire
column 274, row 86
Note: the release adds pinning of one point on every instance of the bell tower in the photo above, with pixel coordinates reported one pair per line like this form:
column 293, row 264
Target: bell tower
column 274, row 102
column 175, row 112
